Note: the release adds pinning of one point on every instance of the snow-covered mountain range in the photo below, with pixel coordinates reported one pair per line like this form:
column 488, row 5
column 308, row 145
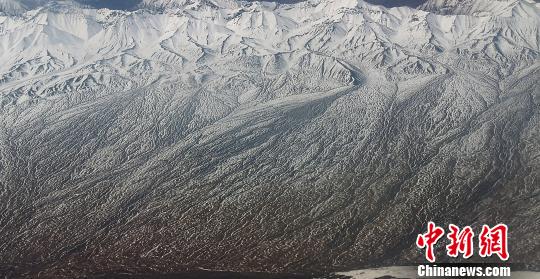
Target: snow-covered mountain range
column 262, row 136
column 61, row 47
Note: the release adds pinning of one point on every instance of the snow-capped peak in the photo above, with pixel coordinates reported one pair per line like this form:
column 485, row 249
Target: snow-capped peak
column 473, row 7
column 171, row 4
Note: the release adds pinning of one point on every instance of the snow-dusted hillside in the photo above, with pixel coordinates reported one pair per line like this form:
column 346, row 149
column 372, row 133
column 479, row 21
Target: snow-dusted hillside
column 257, row 136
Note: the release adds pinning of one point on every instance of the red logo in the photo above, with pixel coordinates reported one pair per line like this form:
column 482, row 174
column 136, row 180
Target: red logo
column 490, row 241
column 494, row 241
column 429, row 240
column 461, row 241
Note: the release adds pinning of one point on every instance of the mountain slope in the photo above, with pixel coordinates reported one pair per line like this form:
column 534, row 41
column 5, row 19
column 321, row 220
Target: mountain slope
column 229, row 135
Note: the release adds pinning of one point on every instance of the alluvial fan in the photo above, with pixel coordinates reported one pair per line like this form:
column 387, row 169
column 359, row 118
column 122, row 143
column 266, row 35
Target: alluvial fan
column 256, row 136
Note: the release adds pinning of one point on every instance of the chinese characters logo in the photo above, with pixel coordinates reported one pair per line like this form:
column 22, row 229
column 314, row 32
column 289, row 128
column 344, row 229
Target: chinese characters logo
column 491, row 241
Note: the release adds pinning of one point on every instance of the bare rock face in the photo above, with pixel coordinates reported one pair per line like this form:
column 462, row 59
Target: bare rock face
column 307, row 137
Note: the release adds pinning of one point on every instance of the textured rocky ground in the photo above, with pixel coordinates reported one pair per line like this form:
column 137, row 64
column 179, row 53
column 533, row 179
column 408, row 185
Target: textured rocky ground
column 317, row 136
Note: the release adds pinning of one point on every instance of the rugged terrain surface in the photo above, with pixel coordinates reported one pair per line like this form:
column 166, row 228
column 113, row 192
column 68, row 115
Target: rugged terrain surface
column 229, row 135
